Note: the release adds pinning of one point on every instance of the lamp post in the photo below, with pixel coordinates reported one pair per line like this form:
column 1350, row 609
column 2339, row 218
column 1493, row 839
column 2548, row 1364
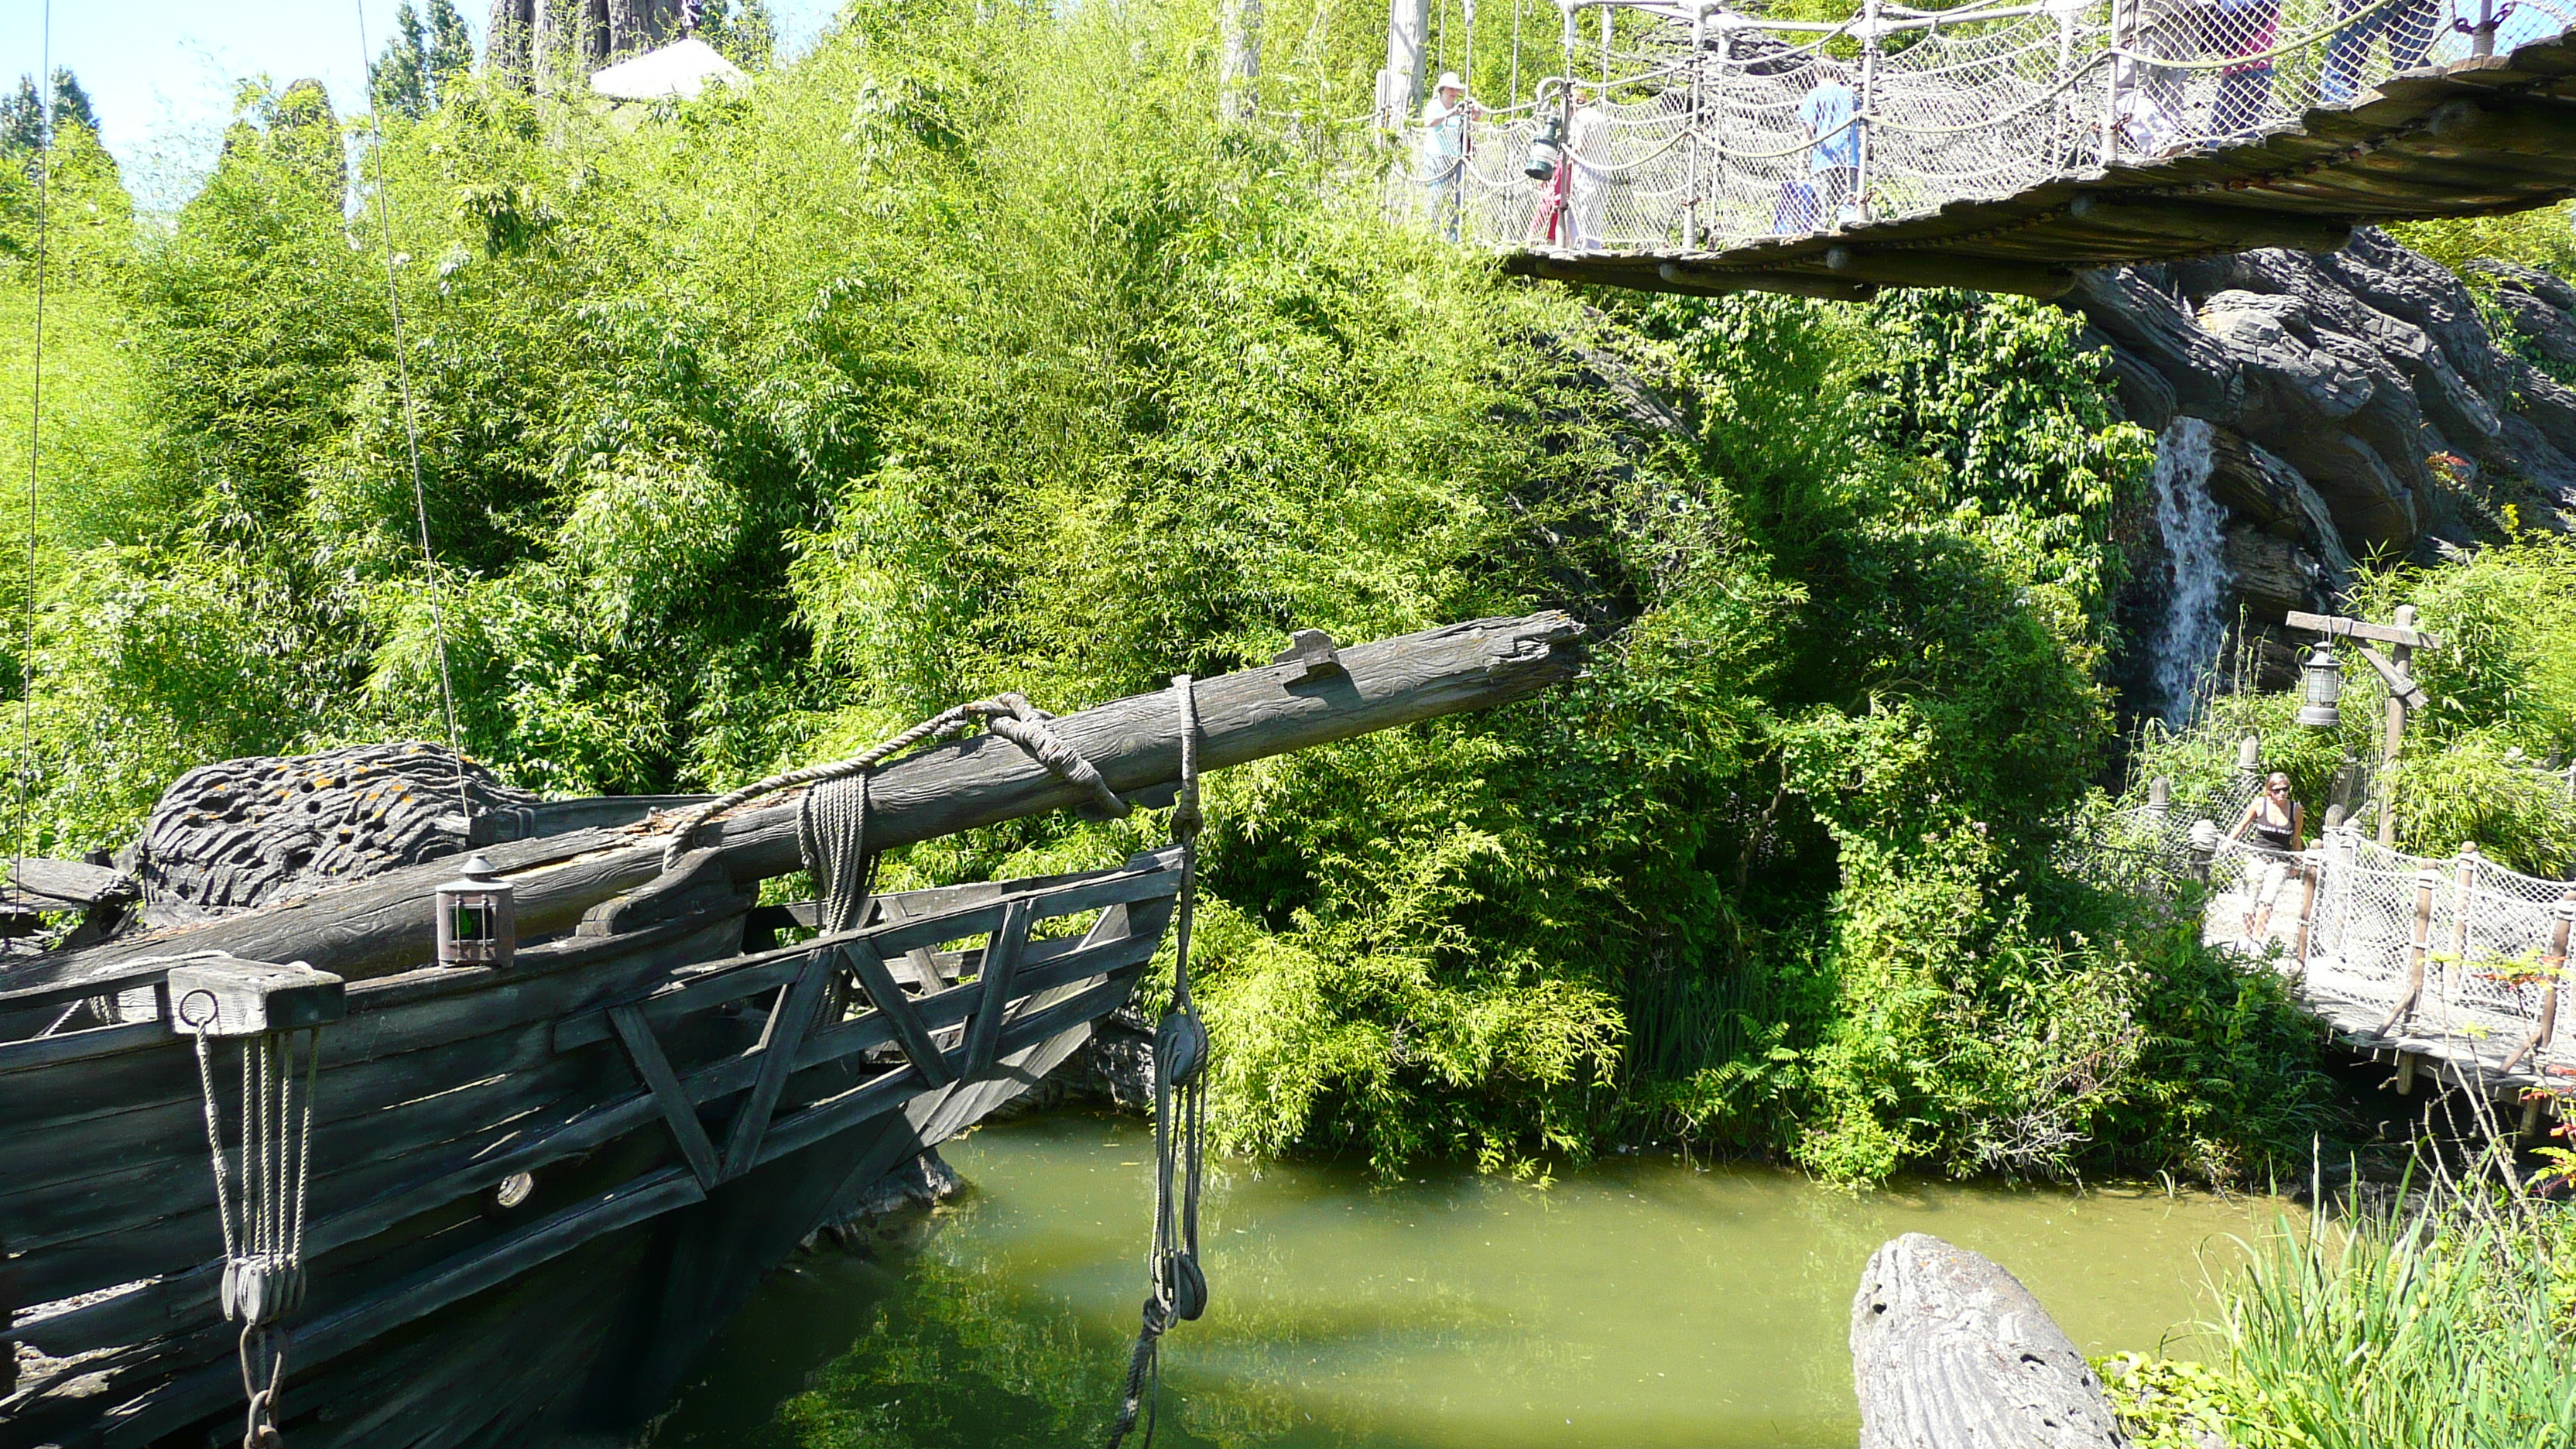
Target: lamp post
column 2395, row 669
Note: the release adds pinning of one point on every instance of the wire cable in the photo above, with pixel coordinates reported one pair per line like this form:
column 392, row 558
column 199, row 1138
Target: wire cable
column 35, row 435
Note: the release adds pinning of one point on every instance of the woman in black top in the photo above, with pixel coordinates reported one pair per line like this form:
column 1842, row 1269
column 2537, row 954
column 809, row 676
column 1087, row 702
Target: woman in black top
column 2280, row 832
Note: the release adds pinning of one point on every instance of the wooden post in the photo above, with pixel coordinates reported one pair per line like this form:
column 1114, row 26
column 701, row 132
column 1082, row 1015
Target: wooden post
column 1868, row 97
column 2405, row 1073
column 2426, row 882
column 2399, row 654
column 2160, row 797
column 2532, row 1103
column 2111, row 91
column 2249, row 763
column 2455, row 974
column 2311, row 873
column 1697, row 165
column 2553, row 965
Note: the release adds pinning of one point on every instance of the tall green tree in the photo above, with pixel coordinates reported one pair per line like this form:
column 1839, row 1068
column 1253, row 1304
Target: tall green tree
column 422, row 61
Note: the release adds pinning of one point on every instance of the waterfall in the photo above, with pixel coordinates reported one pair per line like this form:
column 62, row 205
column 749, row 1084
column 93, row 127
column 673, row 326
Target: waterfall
column 2192, row 626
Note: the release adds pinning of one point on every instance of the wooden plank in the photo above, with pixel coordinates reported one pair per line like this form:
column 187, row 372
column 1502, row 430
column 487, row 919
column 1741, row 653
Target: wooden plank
column 787, row 1027
column 1001, row 961
column 2341, row 627
column 381, row 925
column 654, row 1069
column 71, row 883
column 2205, row 224
column 870, row 972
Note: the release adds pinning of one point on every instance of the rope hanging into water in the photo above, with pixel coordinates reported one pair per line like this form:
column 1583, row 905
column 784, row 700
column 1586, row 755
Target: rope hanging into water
column 1008, row 715
column 411, row 440
column 1179, row 1289
column 259, row 1199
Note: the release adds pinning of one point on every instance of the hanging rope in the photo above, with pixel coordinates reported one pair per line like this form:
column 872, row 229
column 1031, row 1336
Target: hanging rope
column 832, row 838
column 411, row 440
column 1008, row 715
column 259, row 1199
column 1179, row 1288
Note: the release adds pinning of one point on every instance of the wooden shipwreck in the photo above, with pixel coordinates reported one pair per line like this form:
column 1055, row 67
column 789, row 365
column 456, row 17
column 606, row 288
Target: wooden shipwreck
column 532, row 1188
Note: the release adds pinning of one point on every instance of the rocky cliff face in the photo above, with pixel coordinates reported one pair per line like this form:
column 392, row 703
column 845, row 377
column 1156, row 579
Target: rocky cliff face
column 2359, row 406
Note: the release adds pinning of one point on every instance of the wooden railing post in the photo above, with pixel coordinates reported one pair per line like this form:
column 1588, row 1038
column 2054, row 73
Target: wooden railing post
column 2426, row 883
column 2455, row 973
column 2311, row 877
column 2553, row 965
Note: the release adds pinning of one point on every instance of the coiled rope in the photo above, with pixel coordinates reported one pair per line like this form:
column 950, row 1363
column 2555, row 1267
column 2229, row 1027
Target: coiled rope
column 1179, row 1291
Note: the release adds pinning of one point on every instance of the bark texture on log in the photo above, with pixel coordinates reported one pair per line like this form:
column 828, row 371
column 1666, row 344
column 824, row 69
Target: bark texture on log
column 384, row 925
column 1950, row 1351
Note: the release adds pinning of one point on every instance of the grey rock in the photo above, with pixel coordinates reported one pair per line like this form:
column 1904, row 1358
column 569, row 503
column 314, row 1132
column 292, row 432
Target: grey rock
column 2363, row 407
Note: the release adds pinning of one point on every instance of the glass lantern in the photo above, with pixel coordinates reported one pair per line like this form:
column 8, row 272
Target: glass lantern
column 2323, row 679
column 1546, row 151
column 477, row 922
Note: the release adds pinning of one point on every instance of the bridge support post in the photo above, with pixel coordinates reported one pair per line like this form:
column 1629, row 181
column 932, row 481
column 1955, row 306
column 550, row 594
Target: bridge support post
column 2455, row 971
column 2553, row 967
column 1696, row 164
column 2311, row 877
column 2419, row 944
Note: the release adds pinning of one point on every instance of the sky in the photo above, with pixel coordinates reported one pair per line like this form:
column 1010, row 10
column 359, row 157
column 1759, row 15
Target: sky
column 162, row 73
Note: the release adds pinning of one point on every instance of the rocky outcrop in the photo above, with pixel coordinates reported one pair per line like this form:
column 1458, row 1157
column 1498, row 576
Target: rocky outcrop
column 2362, row 407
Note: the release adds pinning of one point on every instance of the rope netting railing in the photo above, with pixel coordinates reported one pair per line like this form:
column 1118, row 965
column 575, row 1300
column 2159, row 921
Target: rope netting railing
column 2456, row 950
column 1695, row 127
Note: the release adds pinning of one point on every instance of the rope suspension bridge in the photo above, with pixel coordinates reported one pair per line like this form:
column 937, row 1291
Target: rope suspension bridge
column 1689, row 147
column 2451, row 967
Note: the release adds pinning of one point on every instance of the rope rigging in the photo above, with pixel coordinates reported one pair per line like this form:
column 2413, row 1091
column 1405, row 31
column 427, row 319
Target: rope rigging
column 35, row 432
column 411, row 442
column 260, row 1195
column 1179, row 1291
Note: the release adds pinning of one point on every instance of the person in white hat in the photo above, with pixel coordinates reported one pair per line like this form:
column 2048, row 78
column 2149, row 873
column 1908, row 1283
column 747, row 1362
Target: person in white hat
column 1445, row 147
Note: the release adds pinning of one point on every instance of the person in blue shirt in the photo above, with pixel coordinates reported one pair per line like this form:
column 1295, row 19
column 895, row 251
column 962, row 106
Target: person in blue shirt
column 1830, row 113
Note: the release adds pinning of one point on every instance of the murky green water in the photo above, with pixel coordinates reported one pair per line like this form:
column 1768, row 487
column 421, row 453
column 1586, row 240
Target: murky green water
column 1635, row 1304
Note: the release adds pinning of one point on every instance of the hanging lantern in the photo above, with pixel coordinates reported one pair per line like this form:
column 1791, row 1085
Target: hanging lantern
column 1547, row 150
column 477, row 922
column 2324, row 685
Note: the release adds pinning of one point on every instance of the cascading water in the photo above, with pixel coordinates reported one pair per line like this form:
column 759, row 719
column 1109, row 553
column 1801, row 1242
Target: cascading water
column 2192, row 626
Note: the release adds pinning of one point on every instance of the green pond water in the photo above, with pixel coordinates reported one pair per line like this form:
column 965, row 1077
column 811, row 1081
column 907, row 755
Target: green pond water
column 1639, row 1303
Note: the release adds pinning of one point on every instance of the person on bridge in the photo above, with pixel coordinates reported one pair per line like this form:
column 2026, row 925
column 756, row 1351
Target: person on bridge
column 2246, row 28
column 2410, row 26
column 1445, row 147
column 2280, row 828
column 1831, row 114
column 1587, row 150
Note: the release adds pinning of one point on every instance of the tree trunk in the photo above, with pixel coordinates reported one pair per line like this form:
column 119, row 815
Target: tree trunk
column 385, row 924
column 511, row 35
column 1949, row 1350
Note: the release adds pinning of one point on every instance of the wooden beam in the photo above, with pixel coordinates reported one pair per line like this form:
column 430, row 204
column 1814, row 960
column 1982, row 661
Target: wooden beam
column 898, row 1010
column 2343, row 628
column 2227, row 228
column 1934, row 269
column 1715, row 282
column 72, row 882
column 1001, row 962
column 385, row 924
column 788, row 1023
column 654, row 1069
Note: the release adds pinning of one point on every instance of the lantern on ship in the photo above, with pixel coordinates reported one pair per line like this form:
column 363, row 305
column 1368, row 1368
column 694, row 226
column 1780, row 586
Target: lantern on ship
column 2322, row 676
column 477, row 921
column 1547, row 149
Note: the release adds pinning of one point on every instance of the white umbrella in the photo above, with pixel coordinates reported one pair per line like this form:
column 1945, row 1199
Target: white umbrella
column 682, row 69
